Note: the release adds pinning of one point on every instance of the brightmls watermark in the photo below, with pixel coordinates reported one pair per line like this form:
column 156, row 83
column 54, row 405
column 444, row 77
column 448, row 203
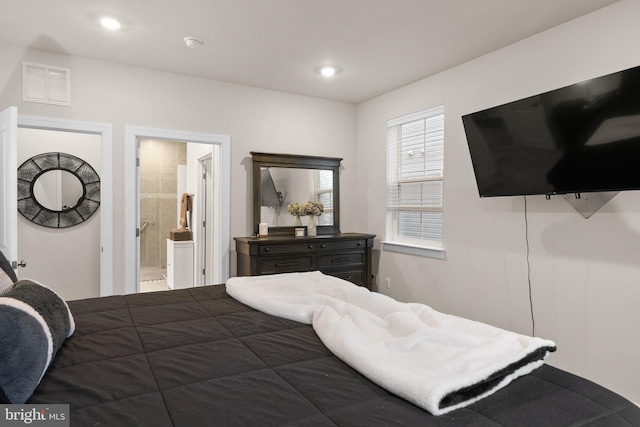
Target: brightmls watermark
column 34, row 415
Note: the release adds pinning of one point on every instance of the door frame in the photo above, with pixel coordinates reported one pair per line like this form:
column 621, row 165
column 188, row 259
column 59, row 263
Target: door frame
column 104, row 130
column 9, row 183
column 133, row 135
column 207, row 246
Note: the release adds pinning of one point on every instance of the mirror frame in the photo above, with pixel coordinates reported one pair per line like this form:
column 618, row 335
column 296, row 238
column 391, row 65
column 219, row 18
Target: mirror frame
column 299, row 162
column 30, row 208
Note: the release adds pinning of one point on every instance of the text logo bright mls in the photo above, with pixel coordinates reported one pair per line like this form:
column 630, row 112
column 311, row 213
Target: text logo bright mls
column 34, row 415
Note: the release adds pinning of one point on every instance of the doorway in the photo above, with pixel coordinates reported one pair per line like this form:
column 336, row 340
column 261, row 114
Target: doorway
column 103, row 133
column 73, row 272
column 218, row 147
column 162, row 182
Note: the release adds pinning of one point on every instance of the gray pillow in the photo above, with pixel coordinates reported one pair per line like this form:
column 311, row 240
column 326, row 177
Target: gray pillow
column 5, row 283
column 35, row 322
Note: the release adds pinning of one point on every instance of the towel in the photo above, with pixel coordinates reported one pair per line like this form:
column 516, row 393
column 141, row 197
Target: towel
column 185, row 206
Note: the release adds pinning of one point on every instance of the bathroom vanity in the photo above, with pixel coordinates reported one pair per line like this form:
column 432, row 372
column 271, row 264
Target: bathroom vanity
column 179, row 264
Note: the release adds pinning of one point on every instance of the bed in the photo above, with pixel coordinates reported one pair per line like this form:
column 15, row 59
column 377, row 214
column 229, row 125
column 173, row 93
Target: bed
column 198, row 357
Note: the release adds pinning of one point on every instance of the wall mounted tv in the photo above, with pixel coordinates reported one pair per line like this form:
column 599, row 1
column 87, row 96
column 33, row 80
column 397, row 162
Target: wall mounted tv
column 577, row 139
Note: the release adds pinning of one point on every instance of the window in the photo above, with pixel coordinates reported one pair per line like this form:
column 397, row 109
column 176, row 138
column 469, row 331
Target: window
column 321, row 190
column 415, row 173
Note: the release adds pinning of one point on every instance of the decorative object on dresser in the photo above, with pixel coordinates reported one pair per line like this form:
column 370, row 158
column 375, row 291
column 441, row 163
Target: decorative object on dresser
column 344, row 255
column 311, row 209
column 295, row 209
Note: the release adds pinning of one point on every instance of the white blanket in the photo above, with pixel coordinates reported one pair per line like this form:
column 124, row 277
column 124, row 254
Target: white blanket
column 437, row 361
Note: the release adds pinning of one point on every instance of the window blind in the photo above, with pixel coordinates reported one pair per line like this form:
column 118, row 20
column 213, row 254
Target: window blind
column 415, row 173
column 321, row 190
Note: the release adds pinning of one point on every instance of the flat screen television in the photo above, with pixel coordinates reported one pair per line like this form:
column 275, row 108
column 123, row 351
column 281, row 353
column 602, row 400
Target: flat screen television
column 576, row 139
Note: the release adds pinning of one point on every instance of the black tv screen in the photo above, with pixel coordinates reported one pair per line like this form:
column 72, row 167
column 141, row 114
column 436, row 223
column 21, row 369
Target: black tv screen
column 580, row 138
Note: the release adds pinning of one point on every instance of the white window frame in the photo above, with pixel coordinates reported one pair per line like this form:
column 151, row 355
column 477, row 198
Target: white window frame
column 425, row 176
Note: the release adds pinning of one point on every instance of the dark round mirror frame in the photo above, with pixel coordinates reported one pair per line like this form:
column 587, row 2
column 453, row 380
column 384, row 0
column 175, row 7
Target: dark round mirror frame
column 34, row 211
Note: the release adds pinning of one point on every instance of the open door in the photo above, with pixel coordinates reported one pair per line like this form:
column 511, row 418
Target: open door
column 205, row 266
column 8, row 187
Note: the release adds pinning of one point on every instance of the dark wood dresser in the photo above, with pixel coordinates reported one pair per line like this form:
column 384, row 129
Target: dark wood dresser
column 344, row 255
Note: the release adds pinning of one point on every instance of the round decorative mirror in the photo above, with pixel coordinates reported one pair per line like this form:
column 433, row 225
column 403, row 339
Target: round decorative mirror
column 57, row 190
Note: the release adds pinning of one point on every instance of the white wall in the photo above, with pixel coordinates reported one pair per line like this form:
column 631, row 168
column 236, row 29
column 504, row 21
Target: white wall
column 256, row 120
column 67, row 259
column 585, row 273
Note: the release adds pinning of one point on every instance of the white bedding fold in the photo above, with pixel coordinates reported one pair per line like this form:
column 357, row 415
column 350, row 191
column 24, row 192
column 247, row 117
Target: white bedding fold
column 437, row 361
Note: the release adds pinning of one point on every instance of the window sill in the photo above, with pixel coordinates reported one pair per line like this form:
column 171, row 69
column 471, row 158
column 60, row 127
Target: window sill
column 407, row 248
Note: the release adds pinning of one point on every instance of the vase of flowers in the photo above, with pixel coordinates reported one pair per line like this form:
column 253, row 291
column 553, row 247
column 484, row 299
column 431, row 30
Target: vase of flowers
column 313, row 210
column 310, row 209
column 311, row 226
column 295, row 209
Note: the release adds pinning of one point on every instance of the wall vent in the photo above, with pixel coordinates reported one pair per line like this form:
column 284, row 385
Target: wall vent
column 46, row 84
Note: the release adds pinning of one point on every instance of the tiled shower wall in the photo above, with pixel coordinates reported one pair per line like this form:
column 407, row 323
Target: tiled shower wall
column 159, row 162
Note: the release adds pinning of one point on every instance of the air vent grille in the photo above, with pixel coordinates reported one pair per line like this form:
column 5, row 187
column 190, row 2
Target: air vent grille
column 46, row 84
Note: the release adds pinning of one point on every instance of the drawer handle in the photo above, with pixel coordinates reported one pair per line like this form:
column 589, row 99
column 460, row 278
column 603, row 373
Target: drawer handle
column 360, row 243
column 287, row 264
column 267, row 249
column 310, row 246
column 341, row 259
column 323, row 246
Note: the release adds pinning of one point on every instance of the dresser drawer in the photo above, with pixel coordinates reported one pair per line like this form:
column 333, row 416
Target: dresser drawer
column 340, row 259
column 288, row 249
column 287, row 264
column 356, row 276
column 348, row 244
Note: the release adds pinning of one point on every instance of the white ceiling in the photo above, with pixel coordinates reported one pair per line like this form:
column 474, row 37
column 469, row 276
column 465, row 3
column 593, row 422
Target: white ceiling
column 276, row 44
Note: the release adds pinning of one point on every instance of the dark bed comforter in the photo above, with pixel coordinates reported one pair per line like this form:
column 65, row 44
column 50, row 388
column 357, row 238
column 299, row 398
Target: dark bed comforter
column 197, row 357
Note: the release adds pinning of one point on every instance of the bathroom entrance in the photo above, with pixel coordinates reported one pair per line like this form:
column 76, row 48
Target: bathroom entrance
column 162, row 182
column 199, row 145
column 177, row 182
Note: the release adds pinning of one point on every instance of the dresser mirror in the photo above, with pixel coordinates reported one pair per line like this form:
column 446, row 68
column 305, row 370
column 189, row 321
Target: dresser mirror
column 281, row 179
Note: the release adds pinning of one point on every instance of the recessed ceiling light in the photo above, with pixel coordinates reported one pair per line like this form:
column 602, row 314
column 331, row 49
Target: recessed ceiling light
column 328, row 70
column 110, row 23
column 192, row 42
